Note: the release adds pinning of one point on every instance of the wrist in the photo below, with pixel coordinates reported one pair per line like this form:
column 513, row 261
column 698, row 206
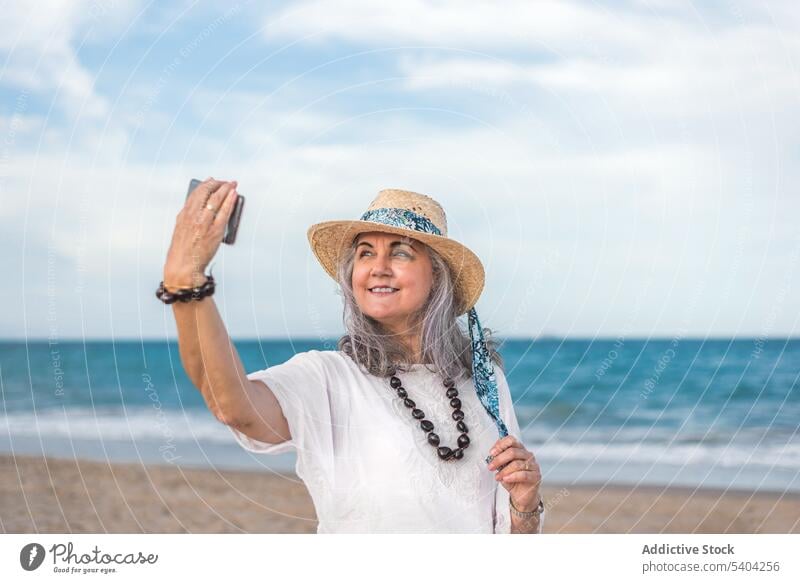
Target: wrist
column 528, row 507
column 170, row 295
column 183, row 280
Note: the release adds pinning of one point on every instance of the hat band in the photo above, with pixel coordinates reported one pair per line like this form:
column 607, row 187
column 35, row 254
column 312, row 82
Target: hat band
column 404, row 218
column 482, row 367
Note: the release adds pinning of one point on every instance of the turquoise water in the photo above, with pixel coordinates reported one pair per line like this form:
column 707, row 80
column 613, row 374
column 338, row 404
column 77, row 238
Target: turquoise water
column 714, row 413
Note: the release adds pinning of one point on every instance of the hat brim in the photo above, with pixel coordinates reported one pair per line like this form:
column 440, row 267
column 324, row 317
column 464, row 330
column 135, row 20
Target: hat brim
column 330, row 239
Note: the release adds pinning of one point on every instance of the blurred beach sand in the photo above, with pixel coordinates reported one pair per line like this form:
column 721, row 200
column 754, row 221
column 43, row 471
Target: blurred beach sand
column 48, row 495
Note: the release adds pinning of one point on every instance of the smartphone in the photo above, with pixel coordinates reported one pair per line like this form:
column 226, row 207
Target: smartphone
column 233, row 221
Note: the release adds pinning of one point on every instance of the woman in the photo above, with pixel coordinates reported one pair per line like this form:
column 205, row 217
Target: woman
column 397, row 431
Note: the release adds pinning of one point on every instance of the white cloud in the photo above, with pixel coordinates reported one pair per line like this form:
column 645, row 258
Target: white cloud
column 450, row 23
column 696, row 74
column 40, row 41
column 661, row 59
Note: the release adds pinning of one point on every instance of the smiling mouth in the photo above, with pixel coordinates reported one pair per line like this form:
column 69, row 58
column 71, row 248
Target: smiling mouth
column 382, row 290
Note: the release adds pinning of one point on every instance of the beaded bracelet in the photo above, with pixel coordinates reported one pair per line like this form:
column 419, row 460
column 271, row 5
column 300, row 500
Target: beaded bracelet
column 186, row 294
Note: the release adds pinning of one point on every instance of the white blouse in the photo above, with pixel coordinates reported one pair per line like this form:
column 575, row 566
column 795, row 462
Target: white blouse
column 366, row 462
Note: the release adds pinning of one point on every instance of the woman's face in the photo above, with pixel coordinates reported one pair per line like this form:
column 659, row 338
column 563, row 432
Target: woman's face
column 386, row 260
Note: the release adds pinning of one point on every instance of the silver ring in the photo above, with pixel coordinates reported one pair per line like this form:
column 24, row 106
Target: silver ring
column 209, row 207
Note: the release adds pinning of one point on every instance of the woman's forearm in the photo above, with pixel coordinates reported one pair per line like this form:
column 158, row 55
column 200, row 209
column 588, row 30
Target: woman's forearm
column 210, row 359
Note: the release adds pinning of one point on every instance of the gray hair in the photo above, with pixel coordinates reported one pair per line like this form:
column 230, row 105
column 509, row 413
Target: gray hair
column 444, row 344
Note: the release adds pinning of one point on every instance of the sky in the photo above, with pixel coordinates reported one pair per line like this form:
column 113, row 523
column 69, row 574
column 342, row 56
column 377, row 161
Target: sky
column 621, row 168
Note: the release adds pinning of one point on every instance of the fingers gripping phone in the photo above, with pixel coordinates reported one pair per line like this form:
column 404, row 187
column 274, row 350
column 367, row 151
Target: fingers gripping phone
column 233, row 221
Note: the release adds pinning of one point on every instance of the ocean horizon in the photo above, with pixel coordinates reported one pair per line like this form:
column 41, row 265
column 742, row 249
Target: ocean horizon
column 704, row 413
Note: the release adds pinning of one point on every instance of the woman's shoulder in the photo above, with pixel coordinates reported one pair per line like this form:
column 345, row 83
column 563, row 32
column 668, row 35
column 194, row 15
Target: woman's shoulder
column 332, row 360
column 500, row 377
column 322, row 355
column 499, row 372
column 311, row 357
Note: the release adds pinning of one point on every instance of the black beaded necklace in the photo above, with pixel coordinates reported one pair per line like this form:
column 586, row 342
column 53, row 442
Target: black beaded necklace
column 445, row 453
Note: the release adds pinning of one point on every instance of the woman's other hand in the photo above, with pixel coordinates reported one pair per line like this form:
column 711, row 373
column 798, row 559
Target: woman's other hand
column 519, row 474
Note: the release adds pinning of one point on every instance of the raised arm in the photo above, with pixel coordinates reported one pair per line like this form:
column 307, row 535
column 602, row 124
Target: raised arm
column 207, row 353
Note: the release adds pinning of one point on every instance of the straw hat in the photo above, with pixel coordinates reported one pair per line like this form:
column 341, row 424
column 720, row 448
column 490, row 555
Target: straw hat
column 412, row 214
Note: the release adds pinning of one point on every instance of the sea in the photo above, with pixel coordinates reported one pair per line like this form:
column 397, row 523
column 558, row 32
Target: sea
column 699, row 413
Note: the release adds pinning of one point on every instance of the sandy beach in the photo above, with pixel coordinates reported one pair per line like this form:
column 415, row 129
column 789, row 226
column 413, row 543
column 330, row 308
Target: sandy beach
column 54, row 495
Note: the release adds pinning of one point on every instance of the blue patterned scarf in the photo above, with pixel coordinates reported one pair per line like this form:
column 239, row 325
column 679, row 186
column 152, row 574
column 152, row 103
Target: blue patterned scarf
column 482, row 366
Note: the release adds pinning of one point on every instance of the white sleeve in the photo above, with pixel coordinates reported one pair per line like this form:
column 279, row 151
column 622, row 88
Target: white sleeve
column 502, row 511
column 302, row 388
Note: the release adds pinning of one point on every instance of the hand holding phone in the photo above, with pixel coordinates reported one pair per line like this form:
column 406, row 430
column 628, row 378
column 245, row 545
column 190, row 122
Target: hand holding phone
column 210, row 216
column 233, row 222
